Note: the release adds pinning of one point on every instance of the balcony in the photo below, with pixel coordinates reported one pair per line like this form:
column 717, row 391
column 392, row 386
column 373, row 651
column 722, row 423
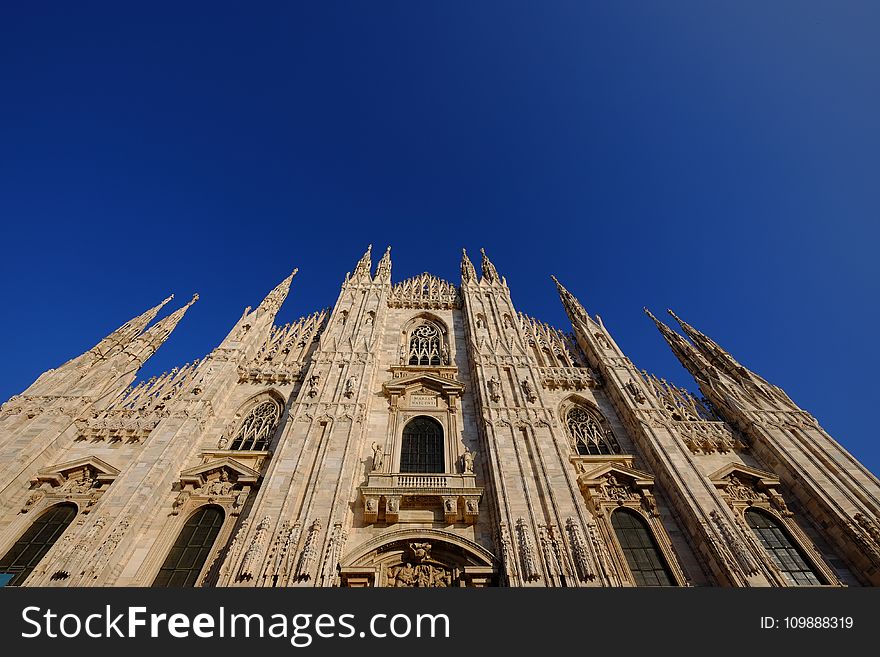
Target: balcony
column 386, row 493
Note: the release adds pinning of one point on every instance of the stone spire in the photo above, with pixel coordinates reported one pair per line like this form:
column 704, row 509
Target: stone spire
column 490, row 274
column 149, row 342
column 573, row 308
column 383, row 269
column 712, row 351
column 364, row 265
column 687, row 355
column 272, row 303
column 122, row 336
column 468, row 273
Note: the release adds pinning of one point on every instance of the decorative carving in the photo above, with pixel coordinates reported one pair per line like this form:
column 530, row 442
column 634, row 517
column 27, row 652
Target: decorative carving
column 467, row 462
column 739, row 491
column 314, row 381
column 579, row 550
column 309, row 552
column 378, row 457
column 494, row 389
column 35, row 498
column 258, row 427
column 249, row 566
column 635, row 392
column 350, row 386
column 424, row 291
column 741, row 553
column 587, row 434
column 330, row 566
column 181, row 499
column 615, row 491
column 507, row 553
column 526, row 552
column 528, row 392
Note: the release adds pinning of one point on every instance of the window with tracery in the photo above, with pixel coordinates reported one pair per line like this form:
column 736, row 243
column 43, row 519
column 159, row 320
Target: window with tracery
column 422, row 446
column 191, row 549
column 425, row 345
column 787, row 557
column 588, row 435
column 646, row 563
column 33, row 545
column 258, row 427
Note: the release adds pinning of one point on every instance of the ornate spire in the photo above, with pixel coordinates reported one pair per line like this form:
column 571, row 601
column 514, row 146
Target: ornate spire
column 468, row 273
column 711, row 350
column 383, row 269
column 573, row 307
column 364, row 264
column 683, row 350
column 489, row 272
column 149, row 342
column 128, row 331
column 276, row 297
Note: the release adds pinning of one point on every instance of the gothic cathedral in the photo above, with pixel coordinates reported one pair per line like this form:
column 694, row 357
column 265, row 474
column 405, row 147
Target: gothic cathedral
column 422, row 434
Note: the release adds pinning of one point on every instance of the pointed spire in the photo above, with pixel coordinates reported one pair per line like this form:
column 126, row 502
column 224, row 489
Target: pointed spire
column 364, row 264
column 150, row 341
column 490, row 274
column 711, row 349
column 383, row 269
column 272, row 303
column 573, row 307
column 468, row 273
column 683, row 350
column 128, row 331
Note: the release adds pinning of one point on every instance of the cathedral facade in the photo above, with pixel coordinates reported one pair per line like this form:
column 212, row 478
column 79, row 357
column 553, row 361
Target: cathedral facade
column 422, row 434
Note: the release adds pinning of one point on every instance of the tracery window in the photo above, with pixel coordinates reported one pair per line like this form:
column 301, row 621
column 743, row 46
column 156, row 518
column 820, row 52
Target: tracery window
column 33, row 545
column 191, row 549
column 646, row 563
column 588, row 435
column 422, row 446
column 787, row 557
column 258, row 427
column 425, row 345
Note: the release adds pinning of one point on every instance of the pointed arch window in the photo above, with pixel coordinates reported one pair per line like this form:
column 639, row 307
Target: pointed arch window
column 587, row 434
column 191, row 549
column 33, row 545
column 422, row 446
column 425, row 345
column 646, row 563
column 258, row 427
column 785, row 554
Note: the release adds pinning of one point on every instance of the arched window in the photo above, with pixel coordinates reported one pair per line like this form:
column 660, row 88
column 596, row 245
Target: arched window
column 647, row 565
column 191, row 549
column 33, row 545
column 425, row 345
column 587, row 433
column 258, row 427
column 787, row 557
column 422, row 447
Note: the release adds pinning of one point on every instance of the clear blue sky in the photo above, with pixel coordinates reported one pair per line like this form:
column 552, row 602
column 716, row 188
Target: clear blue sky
column 717, row 158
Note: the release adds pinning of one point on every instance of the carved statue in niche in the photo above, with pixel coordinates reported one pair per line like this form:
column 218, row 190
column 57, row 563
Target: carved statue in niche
column 350, row 385
column 378, row 456
column 739, row 491
column 314, row 381
column 494, row 389
column 603, row 341
column 528, row 391
column 614, row 490
column 444, row 354
column 467, row 462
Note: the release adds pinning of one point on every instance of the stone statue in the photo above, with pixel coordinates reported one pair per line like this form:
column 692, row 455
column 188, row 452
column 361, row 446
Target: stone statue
column 314, row 380
column 377, row 456
column 467, row 462
column 350, row 385
column 528, row 391
column 494, row 389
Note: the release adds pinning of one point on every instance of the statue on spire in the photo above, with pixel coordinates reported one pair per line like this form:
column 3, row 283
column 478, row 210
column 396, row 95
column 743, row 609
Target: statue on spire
column 468, row 273
column 383, row 269
column 489, row 272
column 364, row 265
column 573, row 307
column 272, row 303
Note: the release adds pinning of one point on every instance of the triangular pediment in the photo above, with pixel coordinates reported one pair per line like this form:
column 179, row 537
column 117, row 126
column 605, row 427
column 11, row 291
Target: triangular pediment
column 199, row 474
column 740, row 470
column 602, row 470
column 427, row 380
column 58, row 474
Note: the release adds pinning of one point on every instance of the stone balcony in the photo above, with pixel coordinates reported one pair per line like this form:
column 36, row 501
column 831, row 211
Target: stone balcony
column 385, row 493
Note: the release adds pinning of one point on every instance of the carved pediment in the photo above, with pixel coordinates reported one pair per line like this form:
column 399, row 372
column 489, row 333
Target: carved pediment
column 427, row 381
column 603, row 471
column 89, row 467
column 744, row 472
column 235, row 471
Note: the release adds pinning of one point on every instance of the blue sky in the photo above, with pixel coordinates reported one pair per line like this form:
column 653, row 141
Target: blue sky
column 717, row 158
